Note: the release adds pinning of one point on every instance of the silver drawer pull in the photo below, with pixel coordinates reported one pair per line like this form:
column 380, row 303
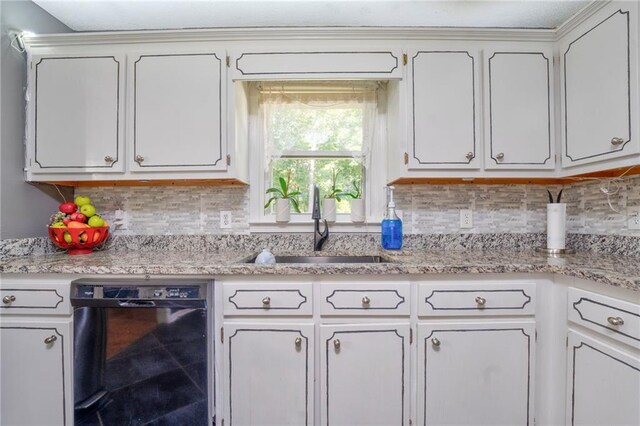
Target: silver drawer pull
column 298, row 341
column 108, row 159
column 366, row 301
column 500, row 156
column 615, row 321
column 435, row 342
column 49, row 340
column 139, row 159
column 336, row 344
column 8, row 299
column 469, row 155
column 617, row 141
column 481, row 301
column 266, row 301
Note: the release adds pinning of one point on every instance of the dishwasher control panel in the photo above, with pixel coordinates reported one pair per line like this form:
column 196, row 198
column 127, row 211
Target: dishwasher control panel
column 95, row 289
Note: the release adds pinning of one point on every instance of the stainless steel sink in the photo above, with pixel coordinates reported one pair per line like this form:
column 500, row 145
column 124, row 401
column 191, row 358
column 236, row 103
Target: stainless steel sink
column 326, row 259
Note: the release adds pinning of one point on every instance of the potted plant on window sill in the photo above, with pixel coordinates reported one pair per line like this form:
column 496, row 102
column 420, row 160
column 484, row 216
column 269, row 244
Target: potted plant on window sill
column 329, row 202
column 284, row 199
column 357, row 203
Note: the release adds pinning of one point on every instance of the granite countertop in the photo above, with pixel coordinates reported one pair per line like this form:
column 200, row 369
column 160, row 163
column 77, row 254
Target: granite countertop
column 614, row 270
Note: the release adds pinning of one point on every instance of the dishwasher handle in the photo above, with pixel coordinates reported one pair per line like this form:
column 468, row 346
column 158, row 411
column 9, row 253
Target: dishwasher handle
column 136, row 303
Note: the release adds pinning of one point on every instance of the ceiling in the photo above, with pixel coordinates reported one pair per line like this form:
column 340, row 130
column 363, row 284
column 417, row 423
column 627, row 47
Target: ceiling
column 106, row 15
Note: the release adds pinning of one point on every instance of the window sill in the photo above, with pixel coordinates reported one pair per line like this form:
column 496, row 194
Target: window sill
column 307, row 226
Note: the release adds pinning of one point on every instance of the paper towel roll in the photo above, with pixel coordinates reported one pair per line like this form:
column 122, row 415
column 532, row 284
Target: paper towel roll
column 556, row 225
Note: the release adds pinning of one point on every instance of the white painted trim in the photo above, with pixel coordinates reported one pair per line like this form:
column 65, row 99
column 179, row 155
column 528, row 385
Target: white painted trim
column 289, row 34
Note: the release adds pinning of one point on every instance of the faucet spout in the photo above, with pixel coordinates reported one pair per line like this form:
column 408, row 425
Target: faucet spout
column 319, row 238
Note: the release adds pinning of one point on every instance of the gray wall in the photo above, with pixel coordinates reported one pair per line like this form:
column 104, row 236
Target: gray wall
column 24, row 209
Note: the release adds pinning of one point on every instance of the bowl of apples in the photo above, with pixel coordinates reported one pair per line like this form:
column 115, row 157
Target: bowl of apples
column 77, row 228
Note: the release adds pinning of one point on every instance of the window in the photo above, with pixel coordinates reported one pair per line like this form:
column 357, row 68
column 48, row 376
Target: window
column 319, row 133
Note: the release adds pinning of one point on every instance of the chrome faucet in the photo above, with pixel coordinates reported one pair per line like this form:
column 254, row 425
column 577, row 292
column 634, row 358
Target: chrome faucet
column 319, row 238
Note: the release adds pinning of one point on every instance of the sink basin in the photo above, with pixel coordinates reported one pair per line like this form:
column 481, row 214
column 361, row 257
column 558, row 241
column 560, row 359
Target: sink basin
column 326, row 259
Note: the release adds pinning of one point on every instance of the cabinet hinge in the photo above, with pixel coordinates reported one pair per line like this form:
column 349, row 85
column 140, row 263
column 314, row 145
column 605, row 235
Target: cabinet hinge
column 406, row 158
column 405, row 59
column 567, row 342
column 228, row 159
column 228, row 61
column 410, row 422
column 222, row 422
column 536, row 337
column 411, row 336
column 31, row 65
column 222, row 334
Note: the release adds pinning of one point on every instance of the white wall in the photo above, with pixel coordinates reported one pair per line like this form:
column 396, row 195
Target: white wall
column 24, row 209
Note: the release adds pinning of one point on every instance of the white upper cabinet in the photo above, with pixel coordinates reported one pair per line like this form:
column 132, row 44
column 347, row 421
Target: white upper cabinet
column 317, row 64
column 442, row 109
column 518, row 110
column 76, row 114
column 599, row 84
column 177, row 111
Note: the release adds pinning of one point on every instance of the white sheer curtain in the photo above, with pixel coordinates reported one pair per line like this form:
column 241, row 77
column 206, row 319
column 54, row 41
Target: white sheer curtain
column 318, row 95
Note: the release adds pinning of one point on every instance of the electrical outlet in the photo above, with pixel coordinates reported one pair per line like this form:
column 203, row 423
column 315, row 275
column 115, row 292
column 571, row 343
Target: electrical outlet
column 466, row 218
column 121, row 220
column 633, row 217
column 225, row 220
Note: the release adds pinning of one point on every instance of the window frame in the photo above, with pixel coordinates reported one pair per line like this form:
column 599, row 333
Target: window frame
column 261, row 220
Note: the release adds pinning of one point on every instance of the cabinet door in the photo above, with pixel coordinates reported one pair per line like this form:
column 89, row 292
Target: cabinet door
column 269, row 374
column 603, row 384
column 476, row 373
column 442, row 110
column 518, row 109
column 364, row 374
column 35, row 373
column 177, row 111
column 600, row 87
column 75, row 114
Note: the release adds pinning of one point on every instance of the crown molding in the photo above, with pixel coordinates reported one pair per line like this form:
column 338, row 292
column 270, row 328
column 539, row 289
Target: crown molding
column 290, row 33
column 582, row 15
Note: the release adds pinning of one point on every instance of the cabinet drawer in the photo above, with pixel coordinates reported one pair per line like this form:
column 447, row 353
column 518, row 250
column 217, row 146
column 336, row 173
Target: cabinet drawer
column 490, row 299
column 612, row 317
column 50, row 300
column 377, row 298
column 268, row 298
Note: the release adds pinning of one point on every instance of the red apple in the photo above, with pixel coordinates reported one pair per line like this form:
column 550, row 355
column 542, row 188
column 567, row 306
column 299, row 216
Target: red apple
column 68, row 208
column 66, row 220
column 78, row 217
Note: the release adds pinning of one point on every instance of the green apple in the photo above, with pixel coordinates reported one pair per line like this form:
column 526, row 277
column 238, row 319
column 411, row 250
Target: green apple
column 88, row 210
column 58, row 225
column 67, row 237
column 96, row 221
column 82, row 200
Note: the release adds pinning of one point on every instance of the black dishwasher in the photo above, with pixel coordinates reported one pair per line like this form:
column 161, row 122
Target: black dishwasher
column 142, row 352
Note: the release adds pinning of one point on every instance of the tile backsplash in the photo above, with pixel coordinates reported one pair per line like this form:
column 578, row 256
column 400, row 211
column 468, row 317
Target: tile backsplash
column 427, row 209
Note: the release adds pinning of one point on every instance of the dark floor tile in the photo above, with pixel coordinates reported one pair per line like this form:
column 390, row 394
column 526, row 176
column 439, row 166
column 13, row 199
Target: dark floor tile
column 198, row 373
column 195, row 414
column 150, row 399
column 189, row 352
column 125, row 371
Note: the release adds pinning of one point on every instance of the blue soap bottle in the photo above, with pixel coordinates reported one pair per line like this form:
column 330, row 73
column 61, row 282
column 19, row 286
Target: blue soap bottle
column 391, row 225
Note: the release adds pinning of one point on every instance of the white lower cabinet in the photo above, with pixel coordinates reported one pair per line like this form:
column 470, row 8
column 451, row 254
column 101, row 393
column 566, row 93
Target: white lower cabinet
column 35, row 376
column 268, row 373
column 476, row 373
column 364, row 374
column 603, row 383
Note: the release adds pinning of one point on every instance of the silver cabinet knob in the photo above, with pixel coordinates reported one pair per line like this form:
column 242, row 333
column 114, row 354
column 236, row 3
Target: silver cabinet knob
column 298, row 341
column 49, row 340
column 336, row 344
column 8, row 299
column 435, row 342
column 617, row 141
column 500, row 156
column 615, row 321
column 469, row 155
column 366, row 301
column 108, row 159
column 481, row 301
column 139, row 159
column 266, row 301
